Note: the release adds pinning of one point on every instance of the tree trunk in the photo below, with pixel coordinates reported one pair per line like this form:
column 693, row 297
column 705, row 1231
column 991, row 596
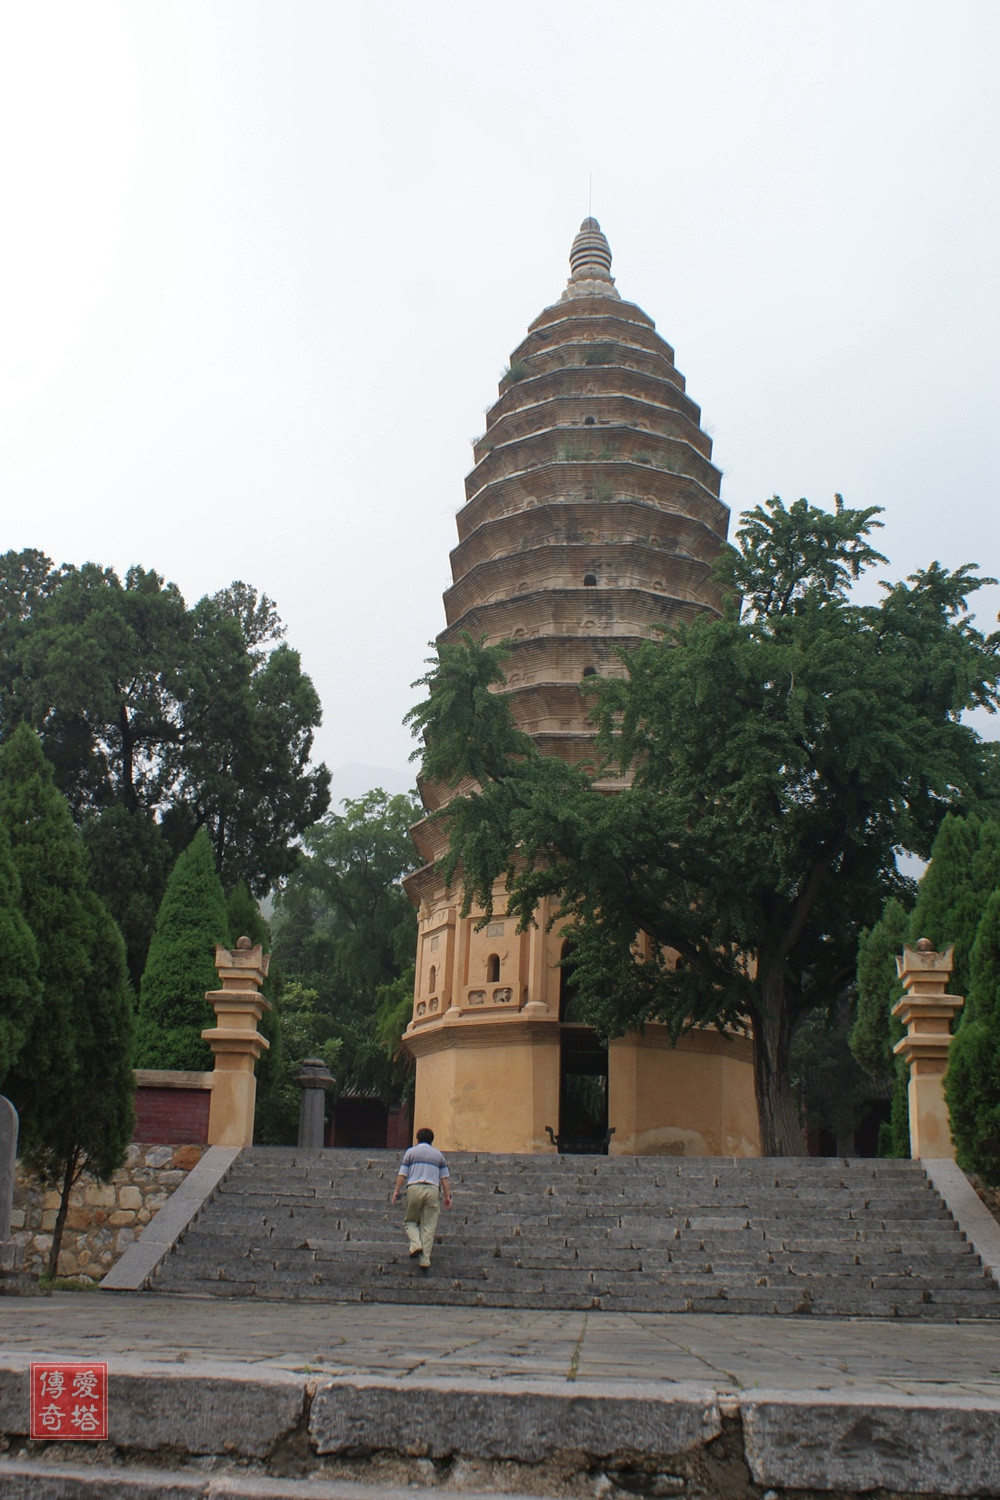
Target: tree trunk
column 780, row 1131
column 57, row 1233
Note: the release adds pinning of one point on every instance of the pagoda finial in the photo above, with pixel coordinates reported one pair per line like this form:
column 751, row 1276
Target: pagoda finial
column 590, row 263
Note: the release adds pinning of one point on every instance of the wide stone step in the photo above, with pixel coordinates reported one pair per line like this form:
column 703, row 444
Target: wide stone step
column 842, row 1292
column 325, row 1240
column 759, row 1301
column 929, row 1252
column 553, row 1240
column 216, row 1252
column 614, row 1186
column 910, row 1206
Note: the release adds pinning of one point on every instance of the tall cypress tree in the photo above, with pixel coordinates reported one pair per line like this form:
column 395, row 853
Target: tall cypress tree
column 48, row 856
column 972, row 1083
column 949, row 904
column 92, row 1129
column 73, row 1080
column 963, row 873
column 20, row 990
column 173, row 1010
column 875, row 1029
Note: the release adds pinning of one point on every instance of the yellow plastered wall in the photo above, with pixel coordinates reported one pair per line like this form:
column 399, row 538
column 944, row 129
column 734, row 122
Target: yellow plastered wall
column 695, row 1099
column 495, row 1095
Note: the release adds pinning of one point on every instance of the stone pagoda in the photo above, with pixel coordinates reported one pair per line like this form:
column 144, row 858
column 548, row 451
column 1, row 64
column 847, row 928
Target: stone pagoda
column 592, row 518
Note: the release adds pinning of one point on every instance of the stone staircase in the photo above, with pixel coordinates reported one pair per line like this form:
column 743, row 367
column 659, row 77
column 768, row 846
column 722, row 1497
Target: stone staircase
column 830, row 1237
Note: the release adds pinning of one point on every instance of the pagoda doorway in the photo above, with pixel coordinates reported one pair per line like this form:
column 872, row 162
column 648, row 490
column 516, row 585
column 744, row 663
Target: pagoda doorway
column 583, row 1074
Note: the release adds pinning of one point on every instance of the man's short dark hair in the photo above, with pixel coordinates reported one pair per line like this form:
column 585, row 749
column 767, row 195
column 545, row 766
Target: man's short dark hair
column 425, row 1137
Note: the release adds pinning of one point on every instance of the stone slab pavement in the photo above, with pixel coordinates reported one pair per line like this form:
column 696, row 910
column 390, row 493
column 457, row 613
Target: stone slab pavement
column 266, row 1392
column 730, row 1353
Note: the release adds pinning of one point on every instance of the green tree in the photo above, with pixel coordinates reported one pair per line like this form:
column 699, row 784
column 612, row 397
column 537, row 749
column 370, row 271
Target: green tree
column 72, row 1083
column 345, row 930
column 161, row 719
column 180, row 968
column 963, row 872
column 780, row 755
column 130, row 860
column 248, row 727
column 91, row 1131
column 833, row 1092
column 972, row 1082
column 305, row 1030
column 875, row 1033
column 949, row 898
column 48, row 857
column 20, row 990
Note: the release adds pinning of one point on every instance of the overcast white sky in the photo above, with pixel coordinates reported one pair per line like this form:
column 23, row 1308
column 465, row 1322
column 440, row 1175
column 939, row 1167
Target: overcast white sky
column 261, row 265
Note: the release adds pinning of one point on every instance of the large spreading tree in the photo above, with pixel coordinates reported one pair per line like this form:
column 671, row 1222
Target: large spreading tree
column 160, row 720
column 779, row 757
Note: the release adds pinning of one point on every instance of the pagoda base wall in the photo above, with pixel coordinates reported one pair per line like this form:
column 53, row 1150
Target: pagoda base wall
column 488, row 1087
column 485, row 1085
column 695, row 1099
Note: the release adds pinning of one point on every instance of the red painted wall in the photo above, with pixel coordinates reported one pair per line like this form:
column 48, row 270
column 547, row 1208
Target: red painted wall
column 399, row 1129
column 172, row 1117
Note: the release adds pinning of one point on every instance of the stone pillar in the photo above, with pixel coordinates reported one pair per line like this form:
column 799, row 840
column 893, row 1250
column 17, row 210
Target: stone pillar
column 926, row 1012
column 313, row 1078
column 9, row 1252
column 236, row 1042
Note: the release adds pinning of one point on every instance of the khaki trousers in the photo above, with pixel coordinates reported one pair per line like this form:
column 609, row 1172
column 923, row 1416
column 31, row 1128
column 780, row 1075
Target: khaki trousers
column 423, row 1209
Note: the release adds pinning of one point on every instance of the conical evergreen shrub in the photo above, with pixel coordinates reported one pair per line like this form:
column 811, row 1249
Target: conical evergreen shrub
column 972, row 1083
column 963, row 873
column 48, row 856
column 20, row 988
column 173, row 1010
column 875, row 1029
column 949, row 904
column 72, row 1082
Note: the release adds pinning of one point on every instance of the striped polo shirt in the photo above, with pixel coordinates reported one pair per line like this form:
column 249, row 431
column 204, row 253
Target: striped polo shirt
column 423, row 1163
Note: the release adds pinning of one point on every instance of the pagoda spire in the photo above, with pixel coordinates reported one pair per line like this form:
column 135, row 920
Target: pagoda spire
column 590, row 264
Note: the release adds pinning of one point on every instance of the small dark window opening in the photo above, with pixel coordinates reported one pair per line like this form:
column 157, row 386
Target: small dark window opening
column 590, row 671
column 493, row 968
column 589, row 581
column 433, row 983
column 588, row 421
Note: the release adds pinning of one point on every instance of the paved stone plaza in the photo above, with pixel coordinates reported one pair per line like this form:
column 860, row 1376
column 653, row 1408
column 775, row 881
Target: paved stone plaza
column 265, row 1398
column 732, row 1353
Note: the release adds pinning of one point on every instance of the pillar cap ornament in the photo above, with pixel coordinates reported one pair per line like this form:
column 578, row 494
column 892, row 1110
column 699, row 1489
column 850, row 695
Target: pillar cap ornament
column 313, row 1074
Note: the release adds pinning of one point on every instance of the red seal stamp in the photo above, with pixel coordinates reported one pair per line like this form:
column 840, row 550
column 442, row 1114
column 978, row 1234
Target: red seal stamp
column 69, row 1400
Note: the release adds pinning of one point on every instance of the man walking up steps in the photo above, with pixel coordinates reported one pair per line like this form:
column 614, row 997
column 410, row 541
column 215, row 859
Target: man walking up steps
column 424, row 1173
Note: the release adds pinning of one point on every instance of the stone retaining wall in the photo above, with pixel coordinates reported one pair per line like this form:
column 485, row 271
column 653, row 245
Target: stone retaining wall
column 103, row 1218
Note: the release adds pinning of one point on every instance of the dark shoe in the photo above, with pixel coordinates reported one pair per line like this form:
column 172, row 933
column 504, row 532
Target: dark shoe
column 414, row 1250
